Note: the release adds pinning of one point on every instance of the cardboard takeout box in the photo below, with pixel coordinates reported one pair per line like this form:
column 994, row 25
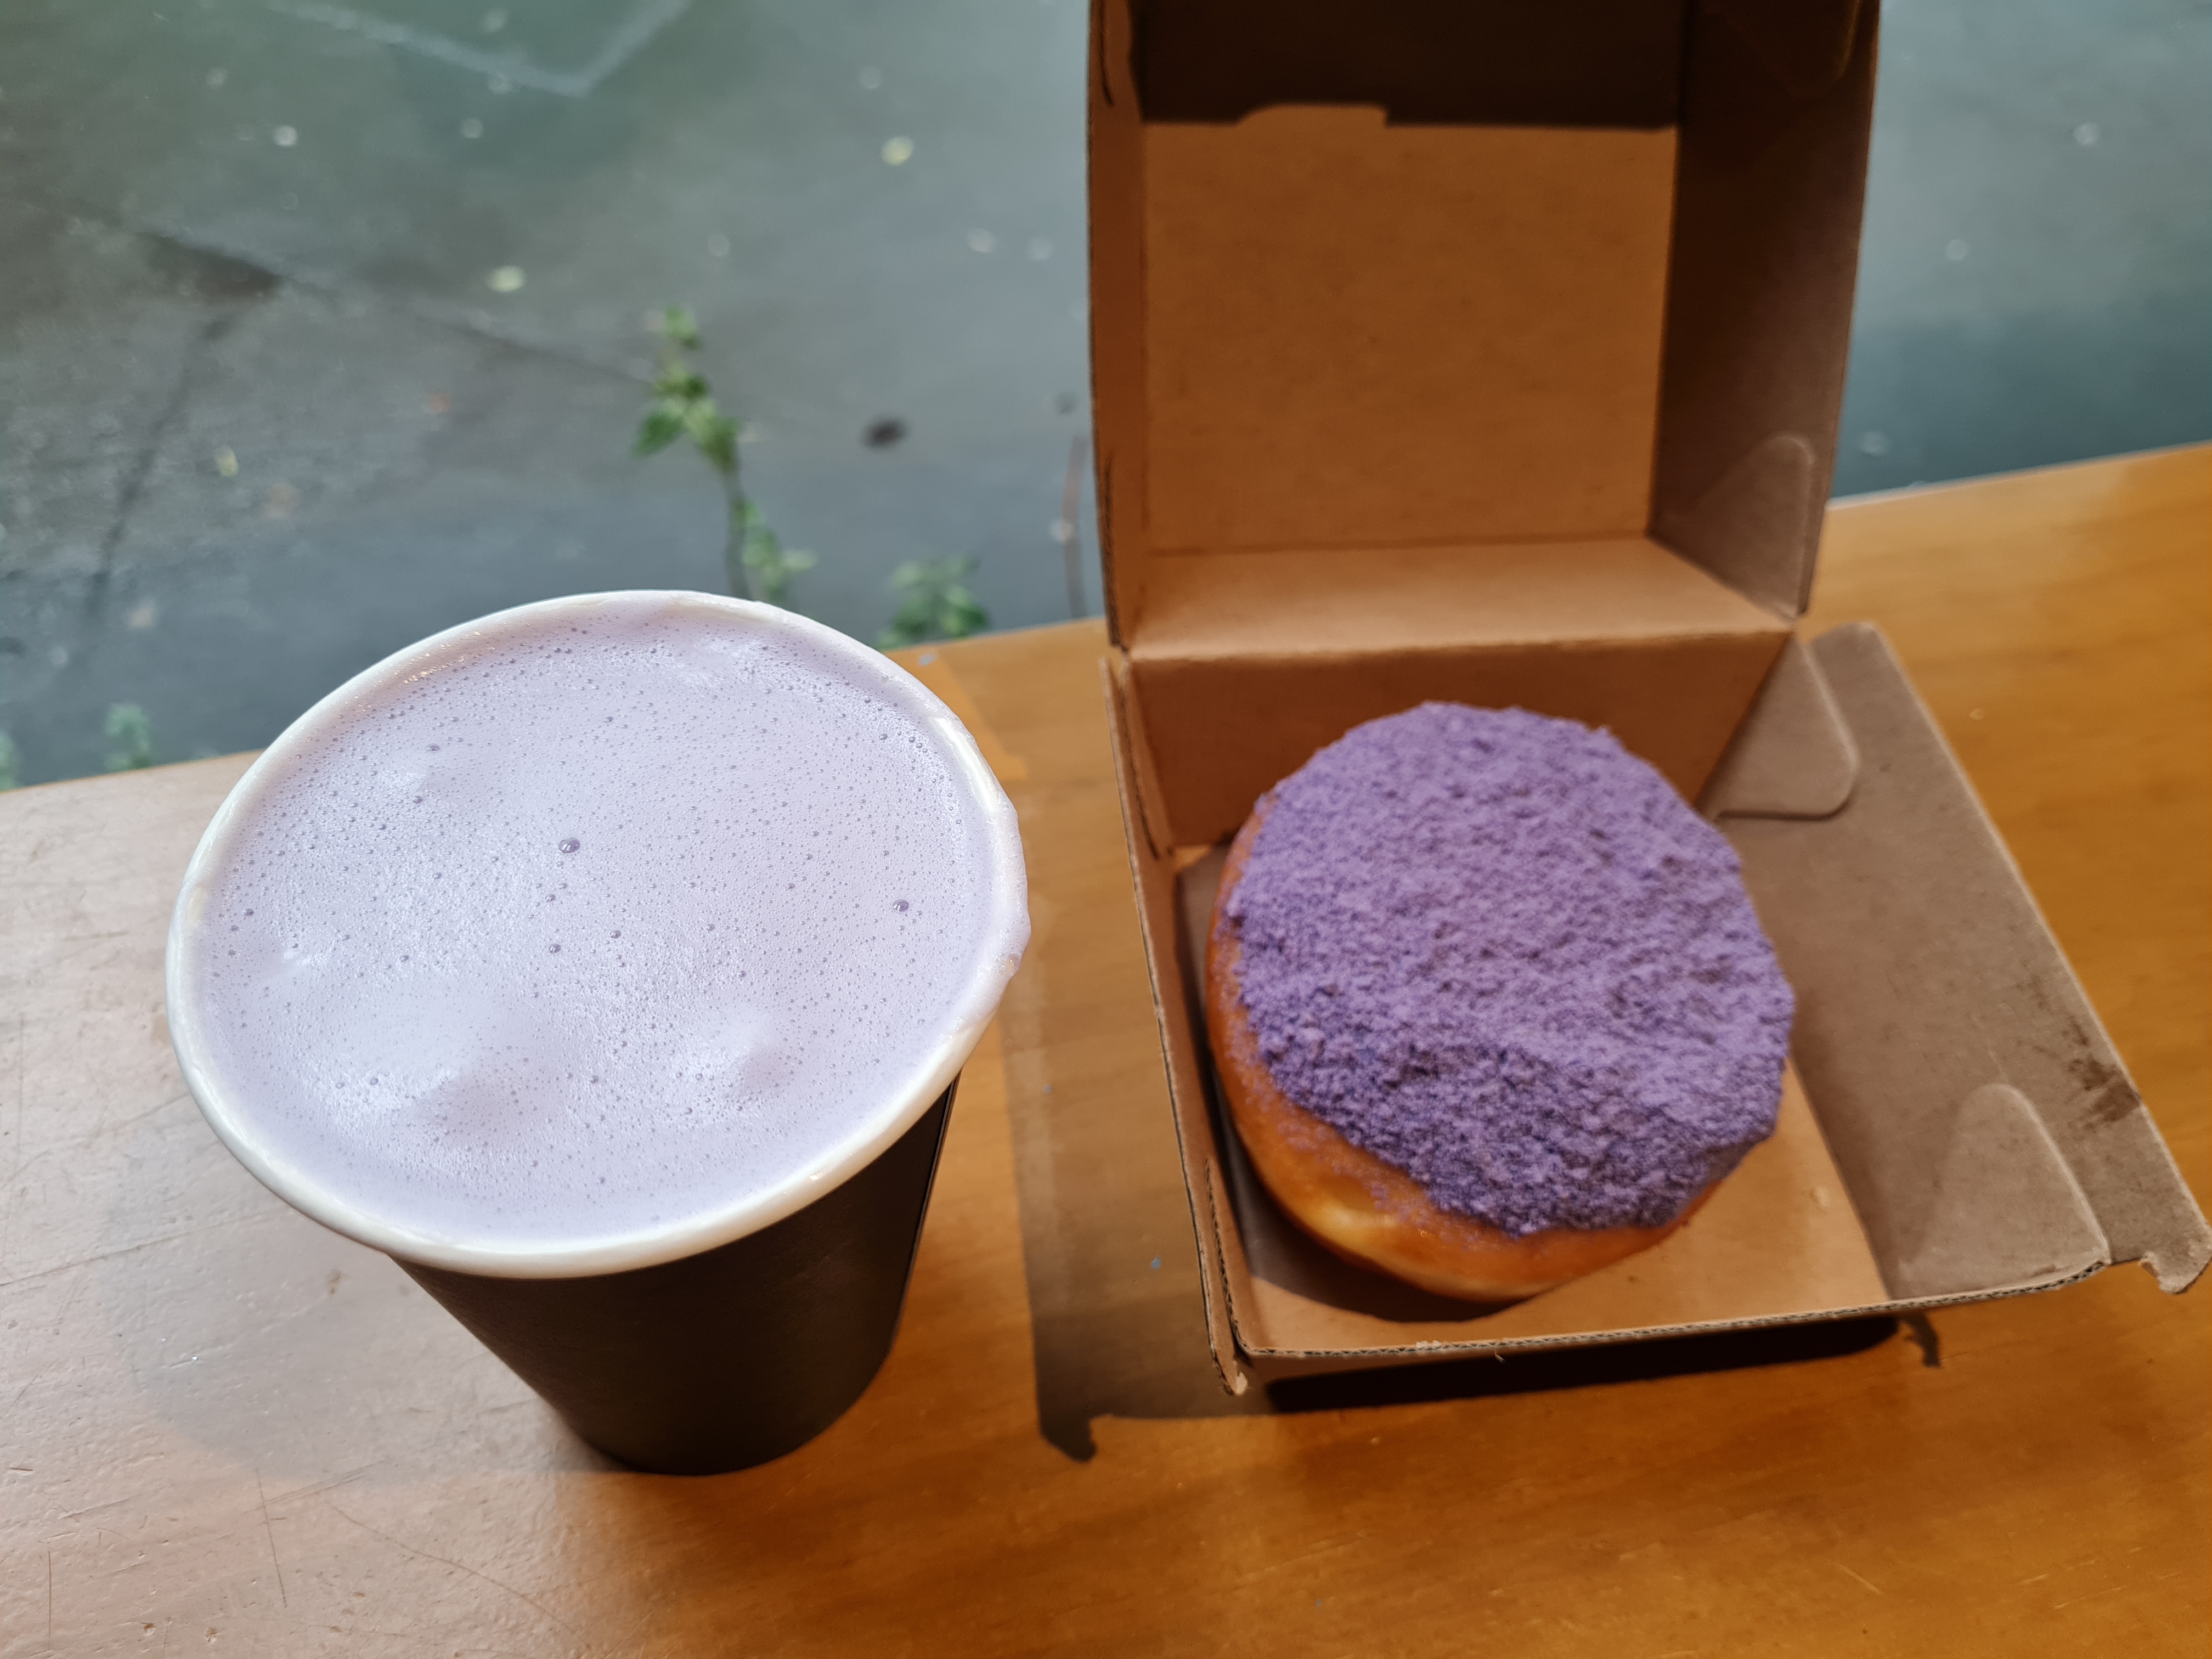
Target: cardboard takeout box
column 1495, row 354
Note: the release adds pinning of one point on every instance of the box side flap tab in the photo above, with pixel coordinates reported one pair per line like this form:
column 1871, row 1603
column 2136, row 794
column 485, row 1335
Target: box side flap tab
column 1778, row 103
column 1792, row 756
column 2005, row 1208
column 1756, row 527
column 1925, row 976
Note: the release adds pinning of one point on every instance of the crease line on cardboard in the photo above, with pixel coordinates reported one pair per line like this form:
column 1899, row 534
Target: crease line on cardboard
column 1232, row 1372
column 1149, row 655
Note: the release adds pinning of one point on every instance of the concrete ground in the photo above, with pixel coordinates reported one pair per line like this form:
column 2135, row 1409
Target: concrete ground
column 321, row 329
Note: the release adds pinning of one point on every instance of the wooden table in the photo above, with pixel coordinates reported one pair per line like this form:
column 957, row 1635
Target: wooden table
column 229, row 1431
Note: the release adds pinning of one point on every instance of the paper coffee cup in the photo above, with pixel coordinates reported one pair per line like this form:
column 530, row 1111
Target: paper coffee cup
column 735, row 1291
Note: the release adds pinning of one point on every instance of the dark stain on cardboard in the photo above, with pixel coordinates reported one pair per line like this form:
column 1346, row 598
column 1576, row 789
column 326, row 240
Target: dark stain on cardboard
column 2117, row 1101
column 2111, row 1097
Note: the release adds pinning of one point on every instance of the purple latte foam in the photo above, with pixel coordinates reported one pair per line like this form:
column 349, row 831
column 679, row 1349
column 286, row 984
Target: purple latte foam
column 1499, row 953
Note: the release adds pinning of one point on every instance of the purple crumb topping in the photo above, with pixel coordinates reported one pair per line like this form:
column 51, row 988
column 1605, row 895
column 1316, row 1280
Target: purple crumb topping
column 1498, row 952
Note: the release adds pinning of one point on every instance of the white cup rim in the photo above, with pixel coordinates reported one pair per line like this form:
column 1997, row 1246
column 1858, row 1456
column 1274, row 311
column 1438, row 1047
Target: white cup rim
column 925, row 1080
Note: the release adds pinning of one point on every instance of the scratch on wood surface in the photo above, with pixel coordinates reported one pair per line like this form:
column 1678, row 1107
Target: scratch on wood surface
column 23, row 1169
column 275, row 1207
column 330, row 1485
column 269, row 1532
column 8, row 1216
column 14, row 1192
column 1315, row 1554
column 94, row 1509
column 79, row 944
column 176, row 1099
column 1868, row 1582
column 2091, row 1597
column 460, row 1566
column 18, row 1172
column 76, row 1289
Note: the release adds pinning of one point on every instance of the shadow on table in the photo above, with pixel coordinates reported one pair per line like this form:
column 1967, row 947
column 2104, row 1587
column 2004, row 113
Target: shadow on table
column 1137, row 1363
column 1582, row 1368
column 1116, row 1320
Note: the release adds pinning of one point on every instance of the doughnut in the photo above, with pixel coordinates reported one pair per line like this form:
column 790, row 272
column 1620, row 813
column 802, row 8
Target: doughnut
column 1489, row 1005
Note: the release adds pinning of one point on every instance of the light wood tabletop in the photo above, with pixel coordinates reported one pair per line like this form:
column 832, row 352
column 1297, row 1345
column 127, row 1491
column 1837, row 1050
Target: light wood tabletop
column 229, row 1431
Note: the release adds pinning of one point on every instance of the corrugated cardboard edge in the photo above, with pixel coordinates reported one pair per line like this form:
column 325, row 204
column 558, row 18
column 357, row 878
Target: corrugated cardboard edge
column 1271, row 1366
column 1114, row 159
column 1211, row 1222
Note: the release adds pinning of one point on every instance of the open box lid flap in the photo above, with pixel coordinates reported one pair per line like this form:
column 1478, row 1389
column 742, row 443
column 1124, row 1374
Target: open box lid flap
column 1975, row 1109
column 1418, row 275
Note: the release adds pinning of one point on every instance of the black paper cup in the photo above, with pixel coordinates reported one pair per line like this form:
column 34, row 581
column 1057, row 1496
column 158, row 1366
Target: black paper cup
column 724, row 1338
column 729, row 1358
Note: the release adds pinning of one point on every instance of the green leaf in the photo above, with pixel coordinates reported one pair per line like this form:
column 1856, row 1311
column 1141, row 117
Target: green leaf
column 753, row 560
column 716, row 434
column 962, row 615
column 130, row 738
column 765, row 556
column 679, row 384
column 662, row 426
column 937, row 604
column 678, row 327
column 909, row 627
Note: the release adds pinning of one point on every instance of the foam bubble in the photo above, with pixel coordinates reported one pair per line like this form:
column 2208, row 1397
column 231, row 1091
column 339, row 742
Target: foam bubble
column 596, row 920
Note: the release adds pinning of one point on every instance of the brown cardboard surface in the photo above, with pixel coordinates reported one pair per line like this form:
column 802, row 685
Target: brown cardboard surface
column 1435, row 276
column 1250, row 662
column 1473, row 596
column 1223, row 731
column 1154, row 874
column 1778, row 102
column 1353, row 331
column 1961, row 1076
column 1778, row 1241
